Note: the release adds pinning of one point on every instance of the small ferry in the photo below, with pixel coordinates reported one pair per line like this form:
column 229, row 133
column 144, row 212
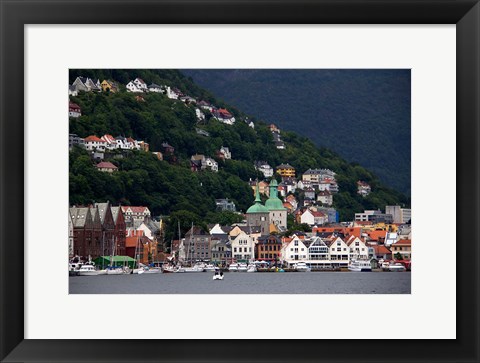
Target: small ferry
column 360, row 266
column 302, row 267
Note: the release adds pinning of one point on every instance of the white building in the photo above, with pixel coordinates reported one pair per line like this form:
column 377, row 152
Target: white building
column 339, row 252
column 294, row 251
column 265, row 169
column 140, row 84
column 325, row 197
column 242, row 246
column 155, row 88
column 225, row 152
column 318, row 251
column 172, row 94
column 199, row 114
column 94, row 143
column 132, row 87
column 358, row 249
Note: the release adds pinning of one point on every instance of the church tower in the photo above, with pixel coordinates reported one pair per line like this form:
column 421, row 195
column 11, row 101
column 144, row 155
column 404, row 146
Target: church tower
column 258, row 215
column 277, row 212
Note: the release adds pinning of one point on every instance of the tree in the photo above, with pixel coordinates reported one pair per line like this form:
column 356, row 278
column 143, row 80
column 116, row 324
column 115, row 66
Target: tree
column 398, row 256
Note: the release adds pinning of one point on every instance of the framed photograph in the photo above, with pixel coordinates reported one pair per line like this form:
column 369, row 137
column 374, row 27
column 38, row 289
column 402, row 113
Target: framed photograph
column 200, row 138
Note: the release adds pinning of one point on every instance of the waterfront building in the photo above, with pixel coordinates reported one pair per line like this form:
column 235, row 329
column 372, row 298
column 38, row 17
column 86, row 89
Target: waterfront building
column 294, row 250
column 269, row 248
column 119, row 230
column 108, row 227
column 220, row 249
column 402, row 247
column 197, row 244
column 242, row 247
column 358, row 248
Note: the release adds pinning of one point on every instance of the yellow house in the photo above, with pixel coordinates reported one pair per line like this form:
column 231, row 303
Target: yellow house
column 108, row 86
column 404, row 247
column 286, row 170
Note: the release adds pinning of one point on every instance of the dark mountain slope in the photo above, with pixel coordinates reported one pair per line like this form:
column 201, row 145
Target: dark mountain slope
column 364, row 115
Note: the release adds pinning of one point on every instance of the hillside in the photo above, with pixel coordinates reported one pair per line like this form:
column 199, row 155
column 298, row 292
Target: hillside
column 169, row 187
column 363, row 115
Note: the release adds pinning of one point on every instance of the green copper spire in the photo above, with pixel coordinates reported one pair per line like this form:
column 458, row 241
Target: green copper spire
column 257, row 207
column 274, row 203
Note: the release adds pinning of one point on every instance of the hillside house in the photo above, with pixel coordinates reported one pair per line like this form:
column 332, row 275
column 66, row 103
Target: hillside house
column 264, row 168
column 205, row 105
column 286, row 170
column 155, row 88
column 74, row 110
column 325, row 197
column 106, row 167
column 132, row 87
column 109, row 86
column 363, row 188
column 224, row 116
column 93, row 142
column 74, row 139
column 140, row 83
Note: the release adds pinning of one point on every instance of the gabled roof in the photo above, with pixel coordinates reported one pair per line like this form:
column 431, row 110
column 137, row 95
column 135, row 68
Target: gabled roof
column 93, row 138
column 106, row 165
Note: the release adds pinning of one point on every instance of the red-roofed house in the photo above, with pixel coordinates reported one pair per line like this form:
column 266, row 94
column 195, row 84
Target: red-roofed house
column 381, row 252
column 106, row 167
column 313, row 218
column 137, row 246
column 93, row 142
column 325, row 197
column 224, row 116
column 74, row 110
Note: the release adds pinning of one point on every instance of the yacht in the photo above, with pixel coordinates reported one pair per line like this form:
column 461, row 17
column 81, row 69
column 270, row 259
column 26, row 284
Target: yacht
column 242, row 267
column 252, row 268
column 87, row 270
column 302, row 267
column 115, row 271
column 198, row 267
column 210, row 267
column 397, row 267
column 233, row 267
column 360, row 266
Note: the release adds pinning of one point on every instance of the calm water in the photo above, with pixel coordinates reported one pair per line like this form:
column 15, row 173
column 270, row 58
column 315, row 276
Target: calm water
column 246, row 283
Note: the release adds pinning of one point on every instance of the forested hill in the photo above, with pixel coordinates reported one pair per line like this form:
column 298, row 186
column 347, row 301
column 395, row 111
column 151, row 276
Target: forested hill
column 364, row 115
column 169, row 187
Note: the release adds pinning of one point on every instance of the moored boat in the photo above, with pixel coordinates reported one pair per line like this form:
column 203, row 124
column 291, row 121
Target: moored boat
column 242, row 267
column 87, row 270
column 302, row 267
column 233, row 267
column 397, row 267
column 360, row 266
column 252, row 268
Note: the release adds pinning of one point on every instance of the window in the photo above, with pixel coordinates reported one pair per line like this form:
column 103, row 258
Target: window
column 235, row 249
column 296, row 243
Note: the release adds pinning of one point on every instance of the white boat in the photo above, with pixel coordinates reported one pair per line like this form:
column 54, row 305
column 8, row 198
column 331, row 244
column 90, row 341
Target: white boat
column 242, row 267
column 360, row 266
column 252, row 268
column 302, row 267
column 138, row 271
column 198, row 267
column 115, row 271
column 218, row 275
column 152, row 270
column 87, row 270
column 102, row 272
column 210, row 267
column 233, row 267
column 397, row 267
column 179, row 269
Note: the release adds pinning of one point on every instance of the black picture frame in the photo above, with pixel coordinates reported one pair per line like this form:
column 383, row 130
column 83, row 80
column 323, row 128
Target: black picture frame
column 15, row 14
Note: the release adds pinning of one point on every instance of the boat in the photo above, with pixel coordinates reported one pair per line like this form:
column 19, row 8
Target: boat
column 233, row 267
column 115, row 271
column 87, row 270
column 210, row 267
column 152, row 270
column 198, row 267
column 251, row 268
column 218, row 275
column 242, row 267
column 397, row 267
column 179, row 269
column 360, row 266
column 168, row 268
column 302, row 267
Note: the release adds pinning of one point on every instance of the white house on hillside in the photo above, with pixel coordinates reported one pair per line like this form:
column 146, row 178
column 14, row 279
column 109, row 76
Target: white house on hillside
column 132, row 87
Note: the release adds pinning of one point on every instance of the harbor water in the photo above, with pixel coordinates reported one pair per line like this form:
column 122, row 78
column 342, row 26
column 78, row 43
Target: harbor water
column 245, row 283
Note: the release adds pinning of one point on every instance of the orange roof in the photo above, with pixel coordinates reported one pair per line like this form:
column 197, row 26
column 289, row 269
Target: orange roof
column 106, row 165
column 134, row 209
column 403, row 242
column 381, row 249
column 375, row 235
column 93, row 138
